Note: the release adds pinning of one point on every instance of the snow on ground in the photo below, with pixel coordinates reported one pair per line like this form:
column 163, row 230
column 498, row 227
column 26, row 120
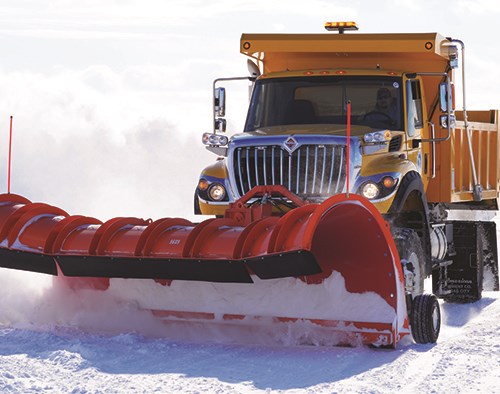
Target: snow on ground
column 55, row 341
column 52, row 342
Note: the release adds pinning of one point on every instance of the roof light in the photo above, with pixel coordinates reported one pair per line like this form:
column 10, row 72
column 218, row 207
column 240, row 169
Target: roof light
column 341, row 26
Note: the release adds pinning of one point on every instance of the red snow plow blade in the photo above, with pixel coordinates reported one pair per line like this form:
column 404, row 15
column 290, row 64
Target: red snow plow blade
column 332, row 265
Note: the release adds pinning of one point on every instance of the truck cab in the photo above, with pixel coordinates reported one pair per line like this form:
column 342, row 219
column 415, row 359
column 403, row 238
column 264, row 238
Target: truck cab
column 296, row 127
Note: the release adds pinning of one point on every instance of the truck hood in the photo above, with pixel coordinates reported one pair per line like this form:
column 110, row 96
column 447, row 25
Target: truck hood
column 292, row 138
column 320, row 129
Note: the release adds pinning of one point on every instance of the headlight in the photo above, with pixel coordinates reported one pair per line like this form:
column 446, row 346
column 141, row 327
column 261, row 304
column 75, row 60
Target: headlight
column 377, row 136
column 375, row 188
column 214, row 139
column 217, row 192
column 370, row 190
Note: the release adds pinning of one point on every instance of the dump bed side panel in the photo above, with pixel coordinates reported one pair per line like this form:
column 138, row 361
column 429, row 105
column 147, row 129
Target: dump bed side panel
column 454, row 179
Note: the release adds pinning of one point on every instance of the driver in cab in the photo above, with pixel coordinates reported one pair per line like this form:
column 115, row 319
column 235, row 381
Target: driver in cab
column 386, row 105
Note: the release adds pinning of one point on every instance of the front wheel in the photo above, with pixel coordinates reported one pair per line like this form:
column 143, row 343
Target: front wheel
column 412, row 259
column 197, row 209
column 425, row 318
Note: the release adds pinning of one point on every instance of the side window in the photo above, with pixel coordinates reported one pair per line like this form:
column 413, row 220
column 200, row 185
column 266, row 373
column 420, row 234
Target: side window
column 414, row 106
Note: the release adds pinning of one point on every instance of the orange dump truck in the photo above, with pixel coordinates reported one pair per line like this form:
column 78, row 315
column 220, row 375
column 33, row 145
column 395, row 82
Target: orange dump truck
column 412, row 155
column 330, row 207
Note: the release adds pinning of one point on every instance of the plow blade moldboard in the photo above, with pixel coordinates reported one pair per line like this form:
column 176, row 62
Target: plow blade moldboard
column 332, row 264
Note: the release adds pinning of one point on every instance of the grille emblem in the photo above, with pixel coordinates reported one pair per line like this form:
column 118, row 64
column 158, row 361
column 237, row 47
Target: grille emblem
column 290, row 144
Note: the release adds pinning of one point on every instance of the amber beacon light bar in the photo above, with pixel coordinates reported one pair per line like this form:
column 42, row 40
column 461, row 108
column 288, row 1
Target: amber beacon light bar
column 341, row 26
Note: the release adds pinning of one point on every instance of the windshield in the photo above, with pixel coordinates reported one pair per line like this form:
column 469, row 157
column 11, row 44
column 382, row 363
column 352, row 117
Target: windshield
column 375, row 101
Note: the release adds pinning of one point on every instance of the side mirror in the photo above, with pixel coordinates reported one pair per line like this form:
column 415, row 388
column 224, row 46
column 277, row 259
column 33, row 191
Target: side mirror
column 447, row 121
column 220, row 101
column 446, row 97
column 220, row 125
column 443, row 99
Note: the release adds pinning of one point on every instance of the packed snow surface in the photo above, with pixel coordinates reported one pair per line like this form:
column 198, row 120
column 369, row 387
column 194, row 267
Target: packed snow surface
column 52, row 341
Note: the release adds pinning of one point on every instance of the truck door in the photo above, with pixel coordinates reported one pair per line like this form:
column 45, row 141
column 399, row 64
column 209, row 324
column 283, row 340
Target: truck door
column 415, row 124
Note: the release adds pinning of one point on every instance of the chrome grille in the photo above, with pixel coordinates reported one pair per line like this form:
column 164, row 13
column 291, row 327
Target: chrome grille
column 310, row 171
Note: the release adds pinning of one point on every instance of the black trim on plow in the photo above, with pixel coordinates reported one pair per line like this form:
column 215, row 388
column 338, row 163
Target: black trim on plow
column 282, row 265
column 223, row 271
column 296, row 263
column 271, row 266
column 27, row 261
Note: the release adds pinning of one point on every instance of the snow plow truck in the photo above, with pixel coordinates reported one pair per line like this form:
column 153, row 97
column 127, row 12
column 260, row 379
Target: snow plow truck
column 353, row 180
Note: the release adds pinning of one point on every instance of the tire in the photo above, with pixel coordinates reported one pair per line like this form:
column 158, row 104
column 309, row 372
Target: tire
column 425, row 319
column 412, row 258
column 197, row 210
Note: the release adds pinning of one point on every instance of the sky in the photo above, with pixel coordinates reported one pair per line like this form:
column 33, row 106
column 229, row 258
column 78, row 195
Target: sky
column 110, row 98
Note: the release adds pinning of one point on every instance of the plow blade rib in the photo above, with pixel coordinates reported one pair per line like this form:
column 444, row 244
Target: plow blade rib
column 332, row 264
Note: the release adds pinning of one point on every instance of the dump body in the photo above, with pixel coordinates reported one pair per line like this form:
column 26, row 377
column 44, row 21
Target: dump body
column 424, row 52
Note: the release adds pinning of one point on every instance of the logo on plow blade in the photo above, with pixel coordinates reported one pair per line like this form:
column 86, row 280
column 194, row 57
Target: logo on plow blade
column 290, row 145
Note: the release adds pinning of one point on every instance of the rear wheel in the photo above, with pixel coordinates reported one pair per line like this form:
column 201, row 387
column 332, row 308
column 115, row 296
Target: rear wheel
column 425, row 318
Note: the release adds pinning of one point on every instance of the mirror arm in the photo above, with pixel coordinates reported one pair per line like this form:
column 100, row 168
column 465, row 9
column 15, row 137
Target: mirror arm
column 448, row 83
column 217, row 120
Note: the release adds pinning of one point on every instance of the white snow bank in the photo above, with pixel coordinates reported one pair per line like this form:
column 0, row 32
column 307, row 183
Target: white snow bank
column 288, row 297
column 31, row 301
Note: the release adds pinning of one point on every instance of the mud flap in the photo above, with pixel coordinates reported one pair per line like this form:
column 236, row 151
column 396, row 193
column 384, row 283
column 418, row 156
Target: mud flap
column 490, row 256
column 474, row 263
